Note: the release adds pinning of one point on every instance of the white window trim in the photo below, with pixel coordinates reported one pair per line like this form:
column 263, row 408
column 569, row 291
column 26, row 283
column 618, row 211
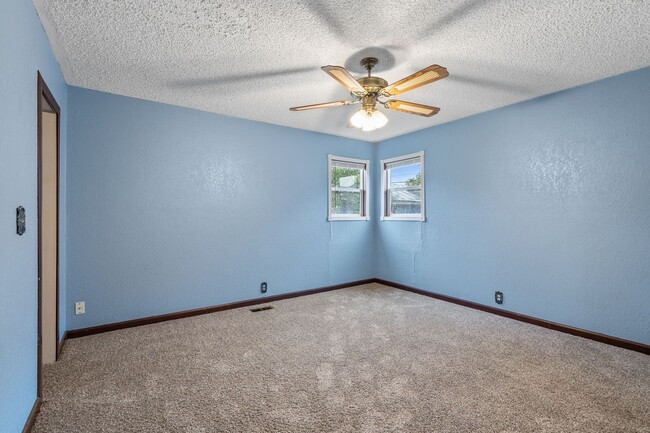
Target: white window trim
column 384, row 189
column 364, row 190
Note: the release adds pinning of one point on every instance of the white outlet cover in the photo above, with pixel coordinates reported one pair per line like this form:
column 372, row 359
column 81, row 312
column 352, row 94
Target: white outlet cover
column 79, row 308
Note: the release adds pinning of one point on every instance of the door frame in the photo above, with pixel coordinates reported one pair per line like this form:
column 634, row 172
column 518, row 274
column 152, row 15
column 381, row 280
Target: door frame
column 44, row 92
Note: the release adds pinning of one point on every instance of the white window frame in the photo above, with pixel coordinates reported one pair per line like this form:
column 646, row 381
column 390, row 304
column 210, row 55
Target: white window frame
column 385, row 215
column 365, row 175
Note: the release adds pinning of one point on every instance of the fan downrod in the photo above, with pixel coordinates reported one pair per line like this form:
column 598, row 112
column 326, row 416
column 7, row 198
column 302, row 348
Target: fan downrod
column 368, row 63
column 372, row 84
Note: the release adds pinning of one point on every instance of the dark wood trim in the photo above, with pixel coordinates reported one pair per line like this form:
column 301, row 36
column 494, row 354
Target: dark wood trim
column 76, row 333
column 602, row 338
column 39, row 129
column 32, row 416
column 42, row 91
column 59, row 348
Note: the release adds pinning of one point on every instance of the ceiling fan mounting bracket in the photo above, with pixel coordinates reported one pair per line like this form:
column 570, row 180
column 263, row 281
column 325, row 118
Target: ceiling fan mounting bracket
column 368, row 63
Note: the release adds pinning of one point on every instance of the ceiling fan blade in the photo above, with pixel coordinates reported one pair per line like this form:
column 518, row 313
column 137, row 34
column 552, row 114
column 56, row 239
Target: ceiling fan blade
column 321, row 105
column 345, row 79
column 420, row 78
column 411, row 108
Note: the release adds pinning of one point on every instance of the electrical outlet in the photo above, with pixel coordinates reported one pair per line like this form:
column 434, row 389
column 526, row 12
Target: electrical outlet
column 263, row 287
column 498, row 297
column 79, row 308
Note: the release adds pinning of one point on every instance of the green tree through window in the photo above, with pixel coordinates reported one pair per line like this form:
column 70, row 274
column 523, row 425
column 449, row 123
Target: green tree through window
column 338, row 173
column 346, row 198
column 415, row 181
column 348, row 183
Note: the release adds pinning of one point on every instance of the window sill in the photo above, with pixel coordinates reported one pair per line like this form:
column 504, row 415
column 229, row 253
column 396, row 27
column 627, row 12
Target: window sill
column 404, row 218
column 348, row 218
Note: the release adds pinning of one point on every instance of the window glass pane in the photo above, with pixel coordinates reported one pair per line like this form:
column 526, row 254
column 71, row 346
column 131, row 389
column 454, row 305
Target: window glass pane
column 346, row 202
column 346, row 177
column 405, row 201
column 405, row 189
column 348, row 183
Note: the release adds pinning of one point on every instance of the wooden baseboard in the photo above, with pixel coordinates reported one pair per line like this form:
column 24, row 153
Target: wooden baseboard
column 32, row 416
column 76, row 333
column 59, row 347
column 603, row 338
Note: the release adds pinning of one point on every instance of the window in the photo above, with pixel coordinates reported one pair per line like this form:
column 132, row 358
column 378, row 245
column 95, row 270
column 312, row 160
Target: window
column 402, row 181
column 348, row 188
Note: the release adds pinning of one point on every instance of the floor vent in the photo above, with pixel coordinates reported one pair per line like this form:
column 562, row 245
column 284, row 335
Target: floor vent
column 257, row 310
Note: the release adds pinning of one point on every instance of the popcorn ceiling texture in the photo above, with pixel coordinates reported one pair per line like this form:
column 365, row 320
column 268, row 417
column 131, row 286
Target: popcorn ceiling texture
column 255, row 59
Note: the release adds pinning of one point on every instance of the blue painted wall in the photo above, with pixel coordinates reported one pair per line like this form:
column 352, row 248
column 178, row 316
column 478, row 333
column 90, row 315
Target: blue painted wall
column 173, row 209
column 547, row 200
column 24, row 49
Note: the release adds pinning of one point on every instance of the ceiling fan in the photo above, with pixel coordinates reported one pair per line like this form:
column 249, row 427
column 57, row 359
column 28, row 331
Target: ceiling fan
column 368, row 90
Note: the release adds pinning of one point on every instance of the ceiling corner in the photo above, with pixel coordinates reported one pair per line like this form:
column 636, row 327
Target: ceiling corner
column 52, row 36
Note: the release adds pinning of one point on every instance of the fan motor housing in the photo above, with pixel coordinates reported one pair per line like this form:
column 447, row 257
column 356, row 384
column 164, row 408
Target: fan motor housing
column 368, row 102
column 372, row 84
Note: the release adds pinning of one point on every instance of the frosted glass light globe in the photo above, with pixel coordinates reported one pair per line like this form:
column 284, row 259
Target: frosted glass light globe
column 358, row 119
column 368, row 120
column 378, row 119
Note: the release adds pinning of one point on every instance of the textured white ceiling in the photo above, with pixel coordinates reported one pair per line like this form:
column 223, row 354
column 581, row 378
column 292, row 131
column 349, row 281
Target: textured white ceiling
column 255, row 59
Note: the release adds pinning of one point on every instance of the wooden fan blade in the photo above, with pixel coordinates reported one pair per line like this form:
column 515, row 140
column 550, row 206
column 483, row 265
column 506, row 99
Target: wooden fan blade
column 420, row 78
column 411, row 108
column 345, row 79
column 322, row 105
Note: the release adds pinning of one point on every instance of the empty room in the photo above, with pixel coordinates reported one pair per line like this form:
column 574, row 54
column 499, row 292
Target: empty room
column 324, row 216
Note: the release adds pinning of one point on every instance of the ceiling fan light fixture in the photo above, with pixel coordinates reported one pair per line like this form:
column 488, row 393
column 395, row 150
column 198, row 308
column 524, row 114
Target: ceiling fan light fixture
column 368, row 120
column 367, row 91
column 358, row 119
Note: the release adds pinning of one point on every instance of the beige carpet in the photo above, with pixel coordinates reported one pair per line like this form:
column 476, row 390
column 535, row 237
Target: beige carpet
column 364, row 359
